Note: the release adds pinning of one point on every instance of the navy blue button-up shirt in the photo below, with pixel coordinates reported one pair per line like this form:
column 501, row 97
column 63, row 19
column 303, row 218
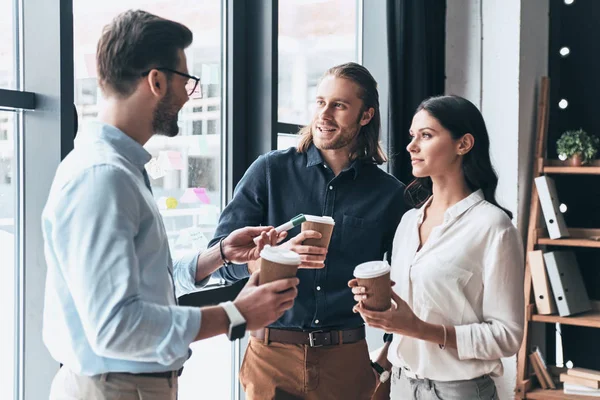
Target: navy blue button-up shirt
column 365, row 202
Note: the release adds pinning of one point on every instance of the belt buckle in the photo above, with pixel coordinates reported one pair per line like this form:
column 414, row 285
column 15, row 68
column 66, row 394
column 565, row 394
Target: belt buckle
column 311, row 339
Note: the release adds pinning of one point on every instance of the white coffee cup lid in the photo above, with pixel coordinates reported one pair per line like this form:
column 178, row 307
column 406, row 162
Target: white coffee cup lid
column 280, row 255
column 323, row 220
column 371, row 269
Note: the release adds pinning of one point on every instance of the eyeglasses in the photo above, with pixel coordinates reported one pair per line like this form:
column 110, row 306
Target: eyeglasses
column 193, row 88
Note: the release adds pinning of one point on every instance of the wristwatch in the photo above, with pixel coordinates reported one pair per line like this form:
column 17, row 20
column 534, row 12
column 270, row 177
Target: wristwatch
column 237, row 322
column 383, row 374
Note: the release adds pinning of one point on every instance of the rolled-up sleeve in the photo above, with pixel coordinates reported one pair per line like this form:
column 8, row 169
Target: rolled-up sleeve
column 501, row 332
column 184, row 275
column 93, row 240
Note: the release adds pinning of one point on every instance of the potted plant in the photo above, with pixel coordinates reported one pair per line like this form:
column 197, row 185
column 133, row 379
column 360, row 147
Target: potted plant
column 578, row 146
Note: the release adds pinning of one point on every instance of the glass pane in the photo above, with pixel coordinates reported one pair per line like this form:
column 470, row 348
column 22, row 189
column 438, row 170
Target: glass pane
column 287, row 140
column 7, row 45
column 187, row 187
column 8, row 283
column 314, row 35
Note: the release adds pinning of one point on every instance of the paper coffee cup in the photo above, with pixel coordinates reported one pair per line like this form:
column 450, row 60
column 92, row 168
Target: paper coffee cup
column 324, row 225
column 277, row 263
column 375, row 277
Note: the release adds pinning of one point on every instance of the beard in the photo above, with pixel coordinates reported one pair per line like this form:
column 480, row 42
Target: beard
column 164, row 119
column 344, row 138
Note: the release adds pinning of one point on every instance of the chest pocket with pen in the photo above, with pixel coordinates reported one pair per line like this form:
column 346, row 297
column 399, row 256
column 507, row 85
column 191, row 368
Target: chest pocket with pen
column 362, row 239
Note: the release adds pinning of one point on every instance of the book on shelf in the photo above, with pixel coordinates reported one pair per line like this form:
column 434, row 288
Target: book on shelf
column 567, row 283
column 538, row 371
column 544, row 300
column 555, row 222
column 544, row 368
column 577, row 380
column 541, row 370
column 584, row 373
column 569, row 388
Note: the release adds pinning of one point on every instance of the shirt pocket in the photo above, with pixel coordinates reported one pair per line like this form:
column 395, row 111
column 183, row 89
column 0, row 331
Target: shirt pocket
column 361, row 239
column 439, row 292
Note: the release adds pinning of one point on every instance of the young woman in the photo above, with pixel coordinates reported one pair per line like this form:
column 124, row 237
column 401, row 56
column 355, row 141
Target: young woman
column 458, row 263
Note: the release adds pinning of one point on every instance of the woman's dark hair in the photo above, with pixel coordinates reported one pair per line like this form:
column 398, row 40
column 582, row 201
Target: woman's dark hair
column 459, row 116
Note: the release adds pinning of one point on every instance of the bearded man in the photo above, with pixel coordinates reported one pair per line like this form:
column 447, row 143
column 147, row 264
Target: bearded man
column 334, row 171
column 110, row 314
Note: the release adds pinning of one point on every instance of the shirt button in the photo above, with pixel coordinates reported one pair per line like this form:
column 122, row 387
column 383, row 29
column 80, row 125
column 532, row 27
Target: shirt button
column 318, row 287
column 324, row 165
column 316, row 321
column 330, row 187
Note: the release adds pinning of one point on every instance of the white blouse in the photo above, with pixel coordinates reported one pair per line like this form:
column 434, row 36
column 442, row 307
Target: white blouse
column 470, row 275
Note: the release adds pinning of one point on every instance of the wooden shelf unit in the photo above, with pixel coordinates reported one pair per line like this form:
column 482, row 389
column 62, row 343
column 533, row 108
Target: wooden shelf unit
column 557, row 394
column 578, row 237
column 558, row 167
column 537, row 236
column 591, row 319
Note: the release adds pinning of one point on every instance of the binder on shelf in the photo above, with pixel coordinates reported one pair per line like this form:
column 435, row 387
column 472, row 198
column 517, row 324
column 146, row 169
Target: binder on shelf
column 554, row 219
column 544, row 300
column 566, row 282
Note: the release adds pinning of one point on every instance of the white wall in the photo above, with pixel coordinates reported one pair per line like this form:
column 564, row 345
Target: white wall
column 496, row 52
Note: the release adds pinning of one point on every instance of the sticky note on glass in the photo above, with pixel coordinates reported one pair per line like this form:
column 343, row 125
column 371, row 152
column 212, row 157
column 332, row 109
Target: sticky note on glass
column 155, row 169
column 195, row 195
column 170, row 160
column 192, row 238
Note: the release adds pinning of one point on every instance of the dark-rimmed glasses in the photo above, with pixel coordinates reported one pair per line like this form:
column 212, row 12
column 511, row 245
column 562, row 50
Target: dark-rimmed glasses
column 193, row 87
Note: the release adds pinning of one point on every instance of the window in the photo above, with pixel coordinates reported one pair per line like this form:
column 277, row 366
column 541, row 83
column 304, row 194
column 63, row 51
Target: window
column 314, row 35
column 7, row 46
column 8, row 283
column 190, row 163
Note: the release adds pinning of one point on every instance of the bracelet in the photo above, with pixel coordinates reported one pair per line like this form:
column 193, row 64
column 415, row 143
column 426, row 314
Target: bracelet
column 225, row 261
column 443, row 346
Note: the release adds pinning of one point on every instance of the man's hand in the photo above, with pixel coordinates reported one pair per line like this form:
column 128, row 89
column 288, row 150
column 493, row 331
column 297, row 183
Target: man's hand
column 262, row 305
column 239, row 247
column 312, row 257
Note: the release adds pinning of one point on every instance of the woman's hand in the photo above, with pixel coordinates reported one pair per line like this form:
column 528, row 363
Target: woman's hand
column 360, row 292
column 398, row 319
column 239, row 247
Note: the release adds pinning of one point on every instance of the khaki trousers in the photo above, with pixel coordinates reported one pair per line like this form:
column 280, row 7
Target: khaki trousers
column 278, row 371
column 68, row 385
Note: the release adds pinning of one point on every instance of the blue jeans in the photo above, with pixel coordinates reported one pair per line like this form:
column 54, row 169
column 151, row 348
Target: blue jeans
column 405, row 388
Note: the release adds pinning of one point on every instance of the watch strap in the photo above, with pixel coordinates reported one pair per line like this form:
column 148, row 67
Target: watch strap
column 234, row 315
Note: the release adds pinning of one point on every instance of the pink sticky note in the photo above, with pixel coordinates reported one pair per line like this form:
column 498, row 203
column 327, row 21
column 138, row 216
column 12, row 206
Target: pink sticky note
column 195, row 195
column 201, row 195
column 171, row 160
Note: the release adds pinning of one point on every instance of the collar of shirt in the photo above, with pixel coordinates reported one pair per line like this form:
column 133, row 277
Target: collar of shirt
column 119, row 140
column 314, row 157
column 456, row 210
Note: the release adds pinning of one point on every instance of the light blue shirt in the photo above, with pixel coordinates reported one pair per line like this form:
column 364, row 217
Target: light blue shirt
column 111, row 286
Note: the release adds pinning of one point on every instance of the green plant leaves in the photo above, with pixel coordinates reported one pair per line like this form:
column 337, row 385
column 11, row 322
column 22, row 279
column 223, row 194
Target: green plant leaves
column 578, row 142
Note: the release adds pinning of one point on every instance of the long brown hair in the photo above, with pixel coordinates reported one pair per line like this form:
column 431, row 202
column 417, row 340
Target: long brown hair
column 367, row 145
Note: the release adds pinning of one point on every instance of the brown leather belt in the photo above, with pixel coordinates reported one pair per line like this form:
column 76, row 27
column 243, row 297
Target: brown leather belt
column 316, row 338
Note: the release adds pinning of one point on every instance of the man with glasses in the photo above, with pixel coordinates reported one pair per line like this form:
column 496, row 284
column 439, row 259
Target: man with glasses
column 111, row 315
